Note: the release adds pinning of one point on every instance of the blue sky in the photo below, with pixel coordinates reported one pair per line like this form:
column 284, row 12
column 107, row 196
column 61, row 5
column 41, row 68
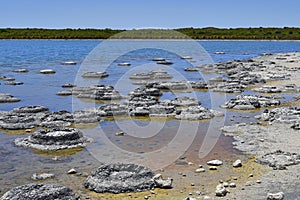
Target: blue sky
column 129, row 14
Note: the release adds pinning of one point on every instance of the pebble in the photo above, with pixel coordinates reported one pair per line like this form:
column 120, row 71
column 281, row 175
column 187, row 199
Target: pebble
column 190, row 163
column 258, row 181
column 198, row 192
column 237, row 163
column 120, row 134
column 232, row 185
column 221, row 191
column 225, row 184
column 250, row 175
column 192, row 184
column 215, row 162
column 72, row 171
column 200, row 170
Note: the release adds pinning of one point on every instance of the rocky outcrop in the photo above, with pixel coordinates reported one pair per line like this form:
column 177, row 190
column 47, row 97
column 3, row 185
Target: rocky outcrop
column 250, row 102
column 54, row 139
column 8, row 98
column 40, row 191
column 195, row 113
column 287, row 115
column 279, row 159
column 120, row 178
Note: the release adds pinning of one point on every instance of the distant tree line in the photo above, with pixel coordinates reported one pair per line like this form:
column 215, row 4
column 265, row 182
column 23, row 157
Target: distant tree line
column 286, row 33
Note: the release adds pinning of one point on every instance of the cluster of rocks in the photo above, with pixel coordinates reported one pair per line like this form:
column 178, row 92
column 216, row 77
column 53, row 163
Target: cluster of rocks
column 95, row 75
column 279, row 160
column 29, row 117
column 275, row 89
column 40, row 191
column 120, row 178
column 96, row 92
column 249, row 102
column 8, row 98
column 10, row 81
column 288, row 115
column 177, row 85
column 54, row 139
column 151, row 75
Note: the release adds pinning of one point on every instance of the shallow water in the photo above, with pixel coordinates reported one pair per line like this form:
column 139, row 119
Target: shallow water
column 142, row 136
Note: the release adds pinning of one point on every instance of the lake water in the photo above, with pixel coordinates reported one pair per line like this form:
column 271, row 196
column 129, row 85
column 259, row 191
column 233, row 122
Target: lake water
column 16, row 163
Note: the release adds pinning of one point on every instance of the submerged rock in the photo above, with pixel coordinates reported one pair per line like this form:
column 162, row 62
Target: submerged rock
column 21, row 70
column 120, row 178
column 47, row 71
column 54, row 139
column 8, row 98
column 95, row 75
column 153, row 75
column 40, row 191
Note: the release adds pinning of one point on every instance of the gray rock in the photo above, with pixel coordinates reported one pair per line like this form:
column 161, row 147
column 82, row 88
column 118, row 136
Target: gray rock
column 194, row 113
column 8, row 98
column 42, row 176
column 95, row 75
column 120, row 178
column 275, row 196
column 161, row 183
column 40, row 191
column 279, row 159
column 54, row 139
column 221, row 191
column 250, row 102
column 13, row 83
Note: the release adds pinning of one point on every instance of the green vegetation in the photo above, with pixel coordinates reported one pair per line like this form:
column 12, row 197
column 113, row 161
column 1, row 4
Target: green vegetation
column 285, row 33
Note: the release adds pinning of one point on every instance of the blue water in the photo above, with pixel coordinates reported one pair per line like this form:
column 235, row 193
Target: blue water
column 39, row 89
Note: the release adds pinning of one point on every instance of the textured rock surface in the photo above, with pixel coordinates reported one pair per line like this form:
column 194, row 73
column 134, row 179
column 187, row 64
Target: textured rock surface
column 8, row 98
column 250, row 102
column 119, row 178
column 40, row 191
column 54, row 139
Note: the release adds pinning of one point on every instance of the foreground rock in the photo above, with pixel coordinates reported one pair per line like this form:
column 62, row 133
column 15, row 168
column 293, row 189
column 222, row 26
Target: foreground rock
column 120, row 178
column 8, row 98
column 250, row 102
column 40, row 191
column 55, row 139
column 221, row 191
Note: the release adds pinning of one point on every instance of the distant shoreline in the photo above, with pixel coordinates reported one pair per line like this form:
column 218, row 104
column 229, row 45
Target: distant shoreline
column 209, row 33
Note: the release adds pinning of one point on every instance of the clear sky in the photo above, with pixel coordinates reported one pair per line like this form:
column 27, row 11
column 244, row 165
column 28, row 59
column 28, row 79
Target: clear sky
column 129, row 14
